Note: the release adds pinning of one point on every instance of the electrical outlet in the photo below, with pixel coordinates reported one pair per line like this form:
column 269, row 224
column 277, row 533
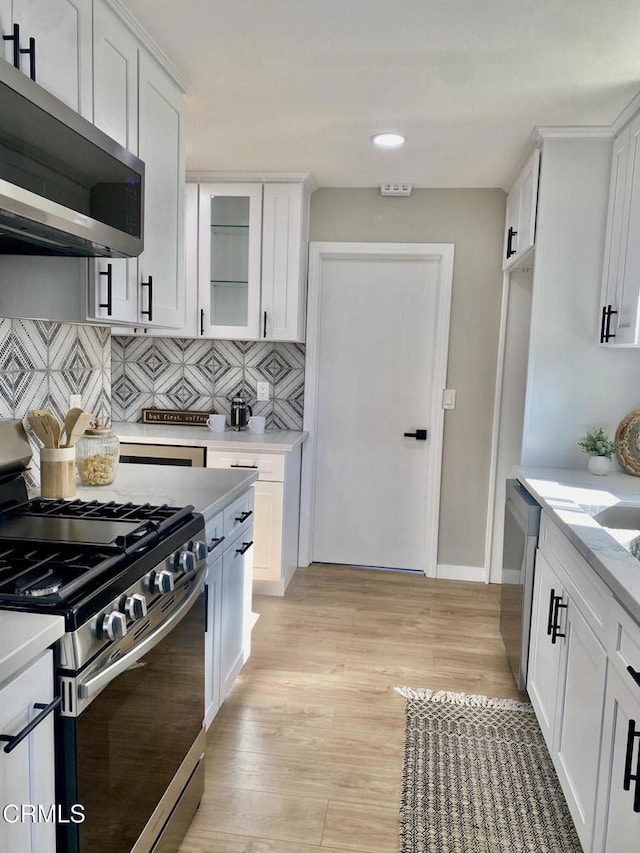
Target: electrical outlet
column 263, row 391
column 75, row 401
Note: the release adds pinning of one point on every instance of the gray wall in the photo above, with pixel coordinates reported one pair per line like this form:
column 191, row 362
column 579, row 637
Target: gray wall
column 473, row 220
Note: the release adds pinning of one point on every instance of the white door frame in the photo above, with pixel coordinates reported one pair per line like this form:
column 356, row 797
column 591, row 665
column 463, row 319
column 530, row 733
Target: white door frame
column 318, row 253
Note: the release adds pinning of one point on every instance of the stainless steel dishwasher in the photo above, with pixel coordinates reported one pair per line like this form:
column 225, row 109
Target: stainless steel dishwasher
column 521, row 526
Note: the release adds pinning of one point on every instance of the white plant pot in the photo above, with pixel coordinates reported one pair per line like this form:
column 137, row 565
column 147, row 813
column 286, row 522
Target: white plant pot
column 599, row 465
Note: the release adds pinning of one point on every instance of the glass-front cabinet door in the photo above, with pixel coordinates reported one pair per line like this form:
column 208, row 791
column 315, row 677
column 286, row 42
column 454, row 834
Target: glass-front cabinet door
column 229, row 258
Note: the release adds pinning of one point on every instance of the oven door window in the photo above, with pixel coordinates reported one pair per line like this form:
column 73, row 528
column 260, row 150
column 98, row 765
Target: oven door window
column 133, row 737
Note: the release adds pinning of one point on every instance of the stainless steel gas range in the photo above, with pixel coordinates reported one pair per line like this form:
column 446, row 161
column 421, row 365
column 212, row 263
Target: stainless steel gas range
column 129, row 581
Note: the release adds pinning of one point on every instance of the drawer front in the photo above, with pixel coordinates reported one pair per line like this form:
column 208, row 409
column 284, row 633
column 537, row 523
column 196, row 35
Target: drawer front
column 270, row 466
column 236, row 516
column 214, row 531
column 626, row 646
column 588, row 591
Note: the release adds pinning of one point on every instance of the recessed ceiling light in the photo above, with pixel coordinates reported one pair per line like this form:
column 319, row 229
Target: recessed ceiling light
column 387, row 140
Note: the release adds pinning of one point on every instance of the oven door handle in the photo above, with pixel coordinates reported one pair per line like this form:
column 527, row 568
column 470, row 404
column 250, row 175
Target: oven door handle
column 94, row 685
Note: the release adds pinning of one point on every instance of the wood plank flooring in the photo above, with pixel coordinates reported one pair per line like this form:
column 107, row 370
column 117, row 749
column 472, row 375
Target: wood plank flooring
column 305, row 755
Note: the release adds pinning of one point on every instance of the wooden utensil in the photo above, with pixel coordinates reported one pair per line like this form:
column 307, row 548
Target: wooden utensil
column 71, row 419
column 55, row 427
column 39, row 426
column 82, row 423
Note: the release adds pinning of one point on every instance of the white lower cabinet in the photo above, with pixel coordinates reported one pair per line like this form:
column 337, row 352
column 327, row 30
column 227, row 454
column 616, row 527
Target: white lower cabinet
column 27, row 772
column 277, row 513
column 567, row 675
column 544, row 654
column 228, row 589
column 585, row 689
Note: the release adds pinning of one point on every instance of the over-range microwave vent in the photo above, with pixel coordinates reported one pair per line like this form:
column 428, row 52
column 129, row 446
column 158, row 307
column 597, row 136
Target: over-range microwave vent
column 66, row 188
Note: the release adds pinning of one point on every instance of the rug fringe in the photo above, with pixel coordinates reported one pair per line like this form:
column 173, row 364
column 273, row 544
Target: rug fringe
column 477, row 700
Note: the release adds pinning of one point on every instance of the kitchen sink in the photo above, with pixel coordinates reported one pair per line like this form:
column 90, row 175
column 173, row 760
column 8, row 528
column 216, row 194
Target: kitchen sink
column 620, row 517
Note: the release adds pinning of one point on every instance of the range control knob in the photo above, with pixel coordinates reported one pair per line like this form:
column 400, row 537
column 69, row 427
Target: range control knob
column 200, row 550
column 161, row 581
column 112, row 626
column 135, row 606
column 182, row 561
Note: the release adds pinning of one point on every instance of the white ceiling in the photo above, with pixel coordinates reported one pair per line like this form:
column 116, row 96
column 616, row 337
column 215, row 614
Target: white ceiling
column 300, row 85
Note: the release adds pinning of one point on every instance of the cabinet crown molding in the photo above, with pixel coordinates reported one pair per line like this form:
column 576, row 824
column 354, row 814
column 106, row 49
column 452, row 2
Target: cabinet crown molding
column 205, row 176
column 154, row 49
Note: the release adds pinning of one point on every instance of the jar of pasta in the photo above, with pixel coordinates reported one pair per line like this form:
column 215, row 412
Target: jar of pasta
column 97, row 455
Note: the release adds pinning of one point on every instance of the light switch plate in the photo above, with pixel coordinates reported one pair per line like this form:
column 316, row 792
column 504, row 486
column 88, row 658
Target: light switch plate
column 448, row 398
column 263, row 392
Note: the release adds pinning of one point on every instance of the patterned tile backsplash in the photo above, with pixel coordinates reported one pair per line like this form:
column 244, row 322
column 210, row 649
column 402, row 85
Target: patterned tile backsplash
column 42, row 364
column 185, row 373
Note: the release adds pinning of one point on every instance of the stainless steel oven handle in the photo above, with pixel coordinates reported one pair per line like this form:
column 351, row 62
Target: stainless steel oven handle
column 99, row 681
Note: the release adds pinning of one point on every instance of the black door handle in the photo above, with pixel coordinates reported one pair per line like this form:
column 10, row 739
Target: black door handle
column 510, row 235
column 245, row 547
column 31, row 50
column 634, row 674
column 15, row 38
column 605, row 324
column 630, row 777
column 109, row 303
column 419, row 435
column 149, row 312
column 45, row 710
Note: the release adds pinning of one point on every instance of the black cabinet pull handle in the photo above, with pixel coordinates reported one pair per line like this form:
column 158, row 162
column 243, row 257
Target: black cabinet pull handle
column 634, row 674
column 245, row 548
column 206, row 608
column 202, row 321
column 630, row 777
column 419, row 435
column 149, row 312
column 510, row 235
column 15, row 38
column 264, row 327
column 605, row 324
column 45, row 710
column 215, row 543
column 109, row 303
column 243, row 517
column 31, row 50
column 238, row 465
column 555, row 628
column 552, row 600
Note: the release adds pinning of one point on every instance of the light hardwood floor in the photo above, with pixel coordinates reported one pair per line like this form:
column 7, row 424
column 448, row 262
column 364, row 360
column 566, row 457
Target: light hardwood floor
column 305, row 755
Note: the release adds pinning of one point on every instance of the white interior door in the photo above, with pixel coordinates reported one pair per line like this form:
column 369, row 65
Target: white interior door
column 380, row 364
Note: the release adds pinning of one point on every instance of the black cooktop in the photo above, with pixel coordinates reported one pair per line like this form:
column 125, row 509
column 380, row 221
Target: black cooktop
column 63, row 556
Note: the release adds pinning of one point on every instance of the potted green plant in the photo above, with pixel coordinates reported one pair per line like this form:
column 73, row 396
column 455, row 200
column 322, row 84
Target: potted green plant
column 599, row 448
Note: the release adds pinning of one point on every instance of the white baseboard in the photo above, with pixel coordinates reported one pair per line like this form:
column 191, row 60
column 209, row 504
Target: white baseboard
column 268, row 587
column 461, row 573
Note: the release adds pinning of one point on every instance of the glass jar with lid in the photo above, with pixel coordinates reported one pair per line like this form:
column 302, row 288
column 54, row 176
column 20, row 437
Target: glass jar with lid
column 97, row 456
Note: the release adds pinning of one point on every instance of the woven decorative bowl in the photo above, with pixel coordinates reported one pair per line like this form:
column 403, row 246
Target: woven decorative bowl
column 628, row 433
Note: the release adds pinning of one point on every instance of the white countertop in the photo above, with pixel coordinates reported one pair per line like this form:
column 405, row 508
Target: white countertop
column 572, row 498
column 208, row 489
column 23, row 636
column 194, row 436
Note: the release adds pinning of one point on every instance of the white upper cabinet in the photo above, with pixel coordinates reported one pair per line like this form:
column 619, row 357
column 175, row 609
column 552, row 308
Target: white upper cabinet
column 619, row 311
column 113, row 284
column 229, row 257
column 522, row 203
column 285, row 234
column 54, row 46
column 139, row 105
column 161, row 147
column 252, row 260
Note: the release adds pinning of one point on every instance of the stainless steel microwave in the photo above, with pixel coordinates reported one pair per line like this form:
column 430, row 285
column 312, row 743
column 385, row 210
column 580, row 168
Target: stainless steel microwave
column 66, row 188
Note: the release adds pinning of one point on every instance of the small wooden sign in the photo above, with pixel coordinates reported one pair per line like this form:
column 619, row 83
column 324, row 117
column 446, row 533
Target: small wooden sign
column 186, row 417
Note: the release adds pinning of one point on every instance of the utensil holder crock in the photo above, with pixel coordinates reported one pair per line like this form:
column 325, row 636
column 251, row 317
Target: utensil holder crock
column 58, row 472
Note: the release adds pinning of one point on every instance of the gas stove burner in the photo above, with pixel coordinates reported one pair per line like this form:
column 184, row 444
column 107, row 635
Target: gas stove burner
column 39, row 583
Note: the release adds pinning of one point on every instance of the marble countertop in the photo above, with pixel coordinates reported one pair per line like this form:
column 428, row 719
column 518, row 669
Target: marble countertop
column 572, row 498
column 23, row 636
column 208, row 489
column 273, row 440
